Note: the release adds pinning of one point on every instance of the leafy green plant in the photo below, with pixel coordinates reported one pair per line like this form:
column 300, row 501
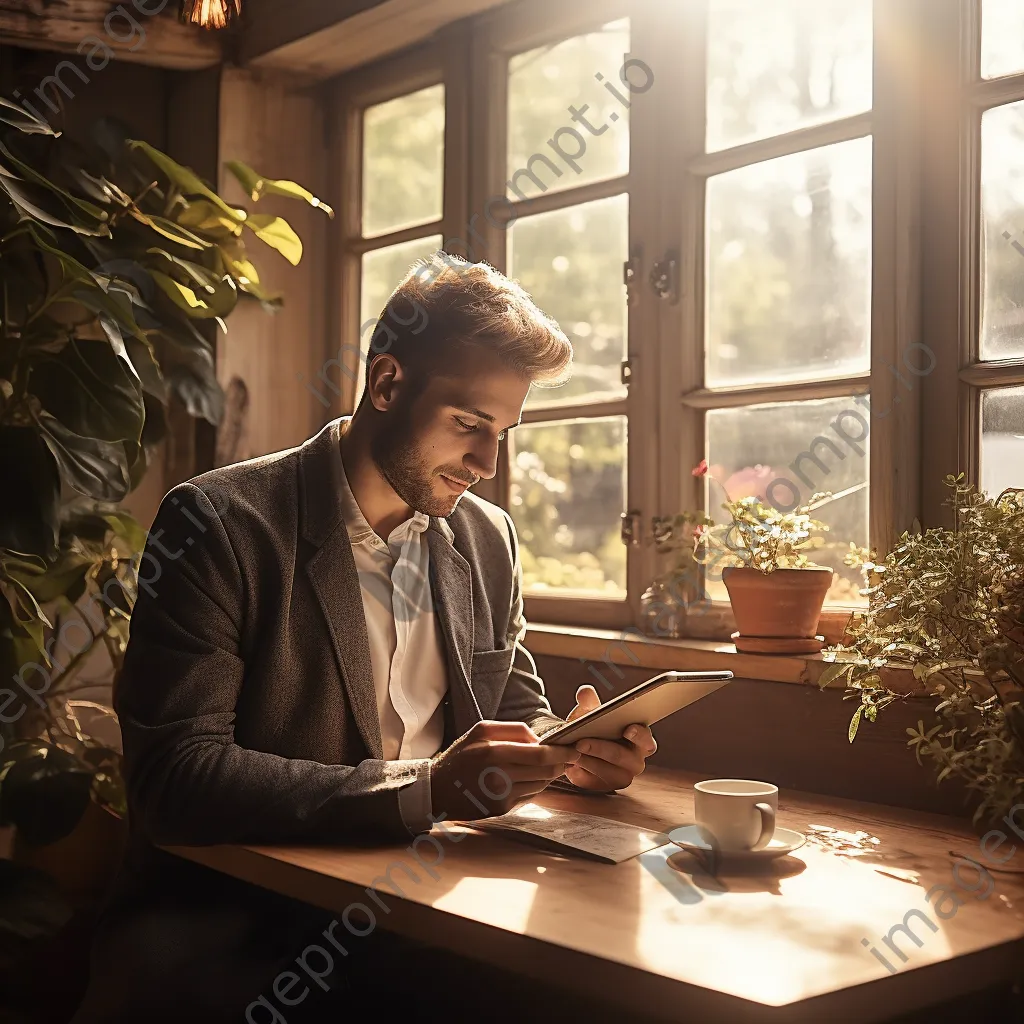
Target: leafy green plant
column 949, row 604
column 117, row 266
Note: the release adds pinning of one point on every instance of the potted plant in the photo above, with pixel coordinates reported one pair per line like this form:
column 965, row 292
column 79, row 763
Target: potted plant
column 949, row 605
column 776, row 592
column 116, row 267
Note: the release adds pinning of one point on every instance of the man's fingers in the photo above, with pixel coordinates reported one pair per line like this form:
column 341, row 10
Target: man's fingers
column 642, row 738
column 502, row 753
column 512, row 732
column 542, row 773
column 586, row 700
column 593, row 773
column 620, row 754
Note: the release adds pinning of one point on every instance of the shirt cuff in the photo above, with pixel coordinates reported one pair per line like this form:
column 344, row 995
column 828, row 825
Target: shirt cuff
column 544, row 723
column 414, row 803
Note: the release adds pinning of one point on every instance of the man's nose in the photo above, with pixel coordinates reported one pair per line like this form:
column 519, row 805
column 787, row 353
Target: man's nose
column 482, row 460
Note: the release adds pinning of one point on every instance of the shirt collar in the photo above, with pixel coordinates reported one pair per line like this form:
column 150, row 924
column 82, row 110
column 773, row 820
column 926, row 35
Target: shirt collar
column 359, row 529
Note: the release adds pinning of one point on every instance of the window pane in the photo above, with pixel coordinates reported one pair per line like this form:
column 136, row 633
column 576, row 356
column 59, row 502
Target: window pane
column 784, row 453
column 383, row 269
column 570, row 261
column 1002, row 440
column 1002, row 37
column 403, row 161
column 775, row 67
column 568, row 489
column 789, row 268
column 543, row 85
column 1002, row 197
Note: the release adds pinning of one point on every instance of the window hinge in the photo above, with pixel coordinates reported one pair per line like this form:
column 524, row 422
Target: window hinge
column 632, row 527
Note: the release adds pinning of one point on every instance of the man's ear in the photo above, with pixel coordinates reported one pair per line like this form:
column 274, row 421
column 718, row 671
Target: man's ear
column 385, row 381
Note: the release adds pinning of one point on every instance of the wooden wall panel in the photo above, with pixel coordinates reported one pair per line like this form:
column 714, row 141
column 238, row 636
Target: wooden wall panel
column 790, row 734
column 279, row 131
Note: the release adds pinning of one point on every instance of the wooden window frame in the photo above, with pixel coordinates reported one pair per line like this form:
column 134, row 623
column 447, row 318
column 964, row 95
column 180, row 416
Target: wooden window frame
column 497, row 37
column 925, row 247
column 891, row 123
column 443, row 61
column 952, row 298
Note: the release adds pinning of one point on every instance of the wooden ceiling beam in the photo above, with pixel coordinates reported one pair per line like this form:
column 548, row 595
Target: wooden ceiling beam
column 140, row 31
column 323, row 38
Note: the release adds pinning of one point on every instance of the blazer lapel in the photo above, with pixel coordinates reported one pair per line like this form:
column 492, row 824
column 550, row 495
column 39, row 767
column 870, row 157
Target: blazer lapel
column 452, row 588
column 332, row 573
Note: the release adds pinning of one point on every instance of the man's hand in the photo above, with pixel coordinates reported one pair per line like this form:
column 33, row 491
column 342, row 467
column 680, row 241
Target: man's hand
column 495, row 766
column 606, row 765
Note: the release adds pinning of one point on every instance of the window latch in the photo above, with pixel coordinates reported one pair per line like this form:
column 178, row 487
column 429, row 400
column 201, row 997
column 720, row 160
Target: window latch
column 630, row 276
column 632, row 527
column 626, row 372
column 664, row 278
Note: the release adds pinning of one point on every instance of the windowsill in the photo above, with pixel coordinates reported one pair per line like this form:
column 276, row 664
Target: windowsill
column 628, row 647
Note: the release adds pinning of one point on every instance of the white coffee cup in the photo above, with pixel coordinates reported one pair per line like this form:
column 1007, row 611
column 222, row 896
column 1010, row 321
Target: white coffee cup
column 735, row 815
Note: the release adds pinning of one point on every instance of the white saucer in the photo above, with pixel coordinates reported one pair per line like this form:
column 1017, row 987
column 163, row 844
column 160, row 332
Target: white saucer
column 784, row 841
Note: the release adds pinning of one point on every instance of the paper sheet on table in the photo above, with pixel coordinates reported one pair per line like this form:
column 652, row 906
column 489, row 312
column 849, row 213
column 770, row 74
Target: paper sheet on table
column 608, row 841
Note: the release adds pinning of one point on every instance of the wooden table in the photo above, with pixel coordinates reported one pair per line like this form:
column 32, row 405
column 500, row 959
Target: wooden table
column 659, row 932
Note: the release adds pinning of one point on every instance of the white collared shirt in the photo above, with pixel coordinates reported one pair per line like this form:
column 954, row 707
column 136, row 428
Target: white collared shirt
column 410, row 671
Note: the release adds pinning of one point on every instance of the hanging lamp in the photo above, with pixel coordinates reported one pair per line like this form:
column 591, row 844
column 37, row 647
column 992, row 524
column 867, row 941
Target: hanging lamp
column 210, row 13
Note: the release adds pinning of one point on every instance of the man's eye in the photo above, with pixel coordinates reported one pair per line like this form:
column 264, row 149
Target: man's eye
column 464, row 424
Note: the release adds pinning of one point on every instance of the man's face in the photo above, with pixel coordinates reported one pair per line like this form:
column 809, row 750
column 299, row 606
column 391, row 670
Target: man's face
column 446, row 438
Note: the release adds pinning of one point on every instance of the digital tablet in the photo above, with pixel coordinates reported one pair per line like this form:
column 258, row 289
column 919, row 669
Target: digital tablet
column 645, row 704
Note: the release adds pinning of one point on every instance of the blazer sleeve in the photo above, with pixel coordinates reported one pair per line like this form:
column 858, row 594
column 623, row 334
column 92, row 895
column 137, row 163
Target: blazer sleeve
column 524, row 699
column 188, row 781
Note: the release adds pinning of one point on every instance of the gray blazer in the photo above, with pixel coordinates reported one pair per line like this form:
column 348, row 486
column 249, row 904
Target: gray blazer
column 248, row 711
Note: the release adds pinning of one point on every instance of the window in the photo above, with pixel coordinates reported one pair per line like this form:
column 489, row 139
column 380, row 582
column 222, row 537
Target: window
column 394, row 132
column 567, row 464
column 787, row 239
column 973, row 246
column 999, row 330
column 787, row 258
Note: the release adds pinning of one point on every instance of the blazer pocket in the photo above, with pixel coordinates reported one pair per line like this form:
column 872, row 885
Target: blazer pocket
column 489, row 665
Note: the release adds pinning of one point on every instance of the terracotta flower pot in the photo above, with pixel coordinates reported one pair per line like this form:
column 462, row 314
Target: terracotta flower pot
column 777, row 612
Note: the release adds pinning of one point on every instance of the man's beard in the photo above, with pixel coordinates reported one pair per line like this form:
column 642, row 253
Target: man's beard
column 406, row 468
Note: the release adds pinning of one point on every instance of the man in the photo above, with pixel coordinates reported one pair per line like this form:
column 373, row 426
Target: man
column 329, row 650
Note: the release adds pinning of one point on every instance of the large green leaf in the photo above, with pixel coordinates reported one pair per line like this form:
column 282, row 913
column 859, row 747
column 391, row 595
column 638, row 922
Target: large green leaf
column 93, row 218
column 192, row 378
column 18, row 117
column 33, row 202
column 96, row 468
column 64, row 575
column 91, row 293
column 93, row 389
column 217, row 292
column 170, row 230
column 29, row 492
column 278, row 234
column 182, row 296
column 23, row 615
column 44, row 792
column 187, row 180
column 203, row 216
column 257, row 186
column 237, row 263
